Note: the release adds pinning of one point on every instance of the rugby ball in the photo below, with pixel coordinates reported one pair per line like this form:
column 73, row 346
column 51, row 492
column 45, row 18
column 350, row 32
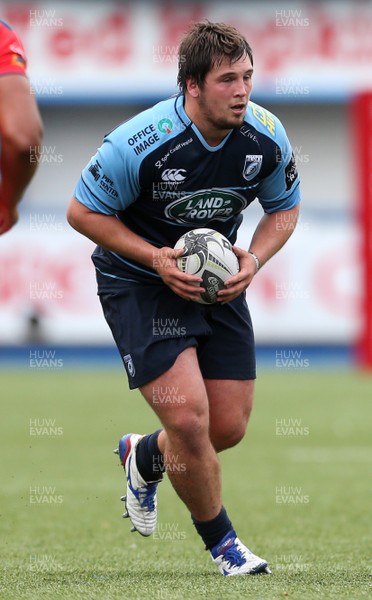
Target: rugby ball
column 209, row 255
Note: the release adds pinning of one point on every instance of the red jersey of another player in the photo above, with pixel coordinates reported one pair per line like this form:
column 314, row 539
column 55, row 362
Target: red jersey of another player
column 12, row 53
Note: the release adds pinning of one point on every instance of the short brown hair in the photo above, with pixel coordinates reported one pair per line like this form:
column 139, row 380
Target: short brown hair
column 206, row 45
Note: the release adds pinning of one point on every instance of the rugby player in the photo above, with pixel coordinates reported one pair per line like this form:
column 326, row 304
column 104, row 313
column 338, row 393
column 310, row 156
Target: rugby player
column 20, row 127
column 195, row 160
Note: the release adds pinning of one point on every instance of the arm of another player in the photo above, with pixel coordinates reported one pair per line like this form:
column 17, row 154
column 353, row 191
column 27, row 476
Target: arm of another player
column 268, row 238
column 110, row 233
column 21, row 134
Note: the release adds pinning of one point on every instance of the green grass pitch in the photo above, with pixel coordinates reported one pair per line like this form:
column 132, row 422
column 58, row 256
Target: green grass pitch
column 298, row 490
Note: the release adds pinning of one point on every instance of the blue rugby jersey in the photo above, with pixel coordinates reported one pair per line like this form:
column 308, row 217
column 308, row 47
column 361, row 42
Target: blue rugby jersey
column 159, row 176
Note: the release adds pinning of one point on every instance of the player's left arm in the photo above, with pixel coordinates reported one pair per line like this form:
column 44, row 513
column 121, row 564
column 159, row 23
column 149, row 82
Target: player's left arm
column 269, row 237
column 279, row 195
column 272, row 232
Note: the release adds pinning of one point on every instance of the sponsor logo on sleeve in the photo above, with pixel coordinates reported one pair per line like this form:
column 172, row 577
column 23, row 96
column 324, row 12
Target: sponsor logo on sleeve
column 248, row 133
column 165, row 125
column 264, row 117
column 144, row 139
column 290, row 173
column 105, row 183
column 95, row 170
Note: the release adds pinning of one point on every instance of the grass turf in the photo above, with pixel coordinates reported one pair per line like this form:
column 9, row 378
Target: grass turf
column 298, row 490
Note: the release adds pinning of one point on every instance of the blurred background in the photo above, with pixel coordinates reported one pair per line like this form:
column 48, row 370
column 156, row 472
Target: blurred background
column 94, row 64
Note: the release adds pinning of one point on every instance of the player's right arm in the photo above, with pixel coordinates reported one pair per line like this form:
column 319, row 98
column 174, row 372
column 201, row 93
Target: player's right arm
column 111, row 234
column 107, row 186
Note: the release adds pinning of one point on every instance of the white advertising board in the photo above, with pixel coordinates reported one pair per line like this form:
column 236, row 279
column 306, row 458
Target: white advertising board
column 309, row 292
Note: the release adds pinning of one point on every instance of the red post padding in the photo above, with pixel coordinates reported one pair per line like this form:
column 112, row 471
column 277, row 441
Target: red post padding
column 361, row 108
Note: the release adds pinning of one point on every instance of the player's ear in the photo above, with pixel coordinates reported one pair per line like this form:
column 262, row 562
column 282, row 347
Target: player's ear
column 192, row 87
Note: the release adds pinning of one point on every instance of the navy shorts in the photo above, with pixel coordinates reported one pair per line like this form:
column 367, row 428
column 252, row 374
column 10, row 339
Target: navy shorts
column 151, row 326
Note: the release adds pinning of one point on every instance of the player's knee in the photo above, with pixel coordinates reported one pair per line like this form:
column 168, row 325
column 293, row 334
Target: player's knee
column 228, row 435
column 190, row 430
column 228, row 430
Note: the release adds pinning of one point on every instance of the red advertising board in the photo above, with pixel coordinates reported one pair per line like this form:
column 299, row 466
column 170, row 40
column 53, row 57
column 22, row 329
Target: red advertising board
column 130, row 49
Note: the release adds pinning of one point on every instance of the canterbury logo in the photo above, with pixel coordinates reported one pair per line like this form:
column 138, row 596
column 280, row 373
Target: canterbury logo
column 173, row 175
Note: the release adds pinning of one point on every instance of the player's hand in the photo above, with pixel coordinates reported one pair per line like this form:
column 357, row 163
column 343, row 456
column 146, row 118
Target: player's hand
column 182, row 284
column 8, row 217
column 238, row 283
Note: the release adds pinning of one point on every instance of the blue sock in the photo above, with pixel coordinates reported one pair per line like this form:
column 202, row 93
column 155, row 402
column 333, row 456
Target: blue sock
column 149, row 459
column 213, row 531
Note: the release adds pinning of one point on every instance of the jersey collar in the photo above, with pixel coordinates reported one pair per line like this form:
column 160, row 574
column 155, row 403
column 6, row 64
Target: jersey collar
column 180, row 110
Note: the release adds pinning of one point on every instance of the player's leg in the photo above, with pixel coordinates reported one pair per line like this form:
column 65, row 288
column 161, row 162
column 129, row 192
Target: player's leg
column 149, row 325
column 185, row 442
column 192, row 464
column 230, row 405
column 228, row 363
column 189, row 457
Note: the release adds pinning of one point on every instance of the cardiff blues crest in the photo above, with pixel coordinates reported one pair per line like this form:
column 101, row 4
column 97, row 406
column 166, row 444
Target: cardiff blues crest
column 252, row 166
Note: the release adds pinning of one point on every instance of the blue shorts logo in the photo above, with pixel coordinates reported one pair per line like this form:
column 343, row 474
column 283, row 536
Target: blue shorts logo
column 129, row 365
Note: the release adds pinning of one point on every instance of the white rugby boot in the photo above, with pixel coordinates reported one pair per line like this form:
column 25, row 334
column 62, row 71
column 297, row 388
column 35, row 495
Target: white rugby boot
column 140, row 499
column 233, row 558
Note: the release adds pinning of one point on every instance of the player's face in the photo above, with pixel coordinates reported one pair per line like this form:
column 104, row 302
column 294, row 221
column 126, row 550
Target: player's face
column 222, row 101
